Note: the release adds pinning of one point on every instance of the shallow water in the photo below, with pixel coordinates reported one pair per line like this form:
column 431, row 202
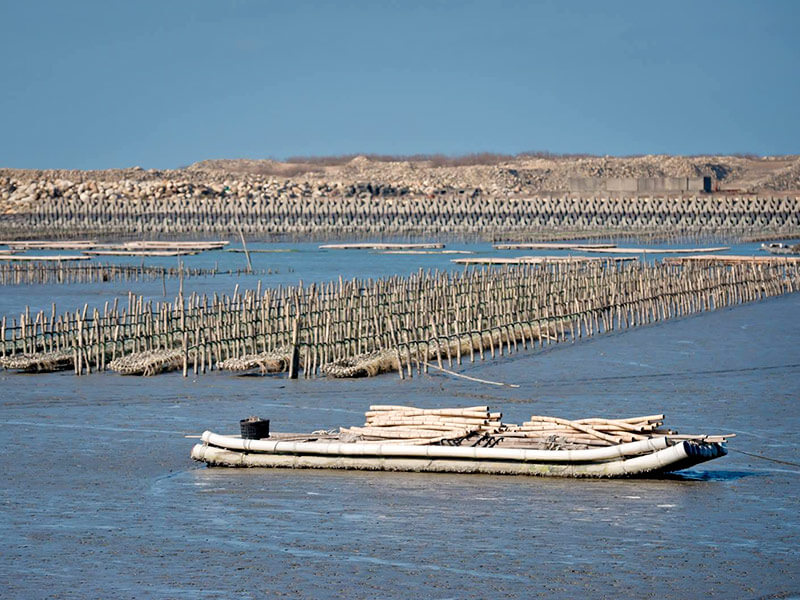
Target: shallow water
column 274, row 265
column 100, row 498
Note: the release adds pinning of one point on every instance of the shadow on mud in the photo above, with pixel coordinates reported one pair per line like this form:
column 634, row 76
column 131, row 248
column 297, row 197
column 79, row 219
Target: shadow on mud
column 710, row 475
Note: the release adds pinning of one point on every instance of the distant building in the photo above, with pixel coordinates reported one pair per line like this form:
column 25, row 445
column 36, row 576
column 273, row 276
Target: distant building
column 640, row 185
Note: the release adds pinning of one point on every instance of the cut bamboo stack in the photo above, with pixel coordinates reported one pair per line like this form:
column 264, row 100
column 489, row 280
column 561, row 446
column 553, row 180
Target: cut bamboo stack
column 591, row 432
column 409, row 425
column 478, row 426
column 549, row 431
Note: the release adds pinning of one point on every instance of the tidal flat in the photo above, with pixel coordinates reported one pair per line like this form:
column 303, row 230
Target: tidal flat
column 100, row 498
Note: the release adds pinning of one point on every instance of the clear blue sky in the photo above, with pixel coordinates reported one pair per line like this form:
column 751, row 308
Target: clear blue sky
column 100, row 84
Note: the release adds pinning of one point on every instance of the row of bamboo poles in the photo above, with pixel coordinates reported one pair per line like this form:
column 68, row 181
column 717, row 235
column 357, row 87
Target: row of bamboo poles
column 349, row 216
column 132, row 246
column 61, row 272
column 364, row 327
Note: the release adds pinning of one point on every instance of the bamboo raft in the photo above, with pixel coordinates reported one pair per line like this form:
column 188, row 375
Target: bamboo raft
column 141, row 252
column 781, row 249
column 197, row 246
column 261, row 250
column 153, row 245
column 732, row 259
column 381, row 246
column 548, row 246
column 474, row 440
column 427, row 252
column 655, row 250
column 34, row 258
column 537, row 260
column 24, row 245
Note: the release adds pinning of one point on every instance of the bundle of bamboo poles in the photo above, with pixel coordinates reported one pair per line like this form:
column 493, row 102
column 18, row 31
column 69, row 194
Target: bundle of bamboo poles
column 479, row 426
column 409, row 425
column 554, row 431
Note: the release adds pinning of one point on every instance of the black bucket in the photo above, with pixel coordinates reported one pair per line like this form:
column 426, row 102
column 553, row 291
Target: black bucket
column 254, row 428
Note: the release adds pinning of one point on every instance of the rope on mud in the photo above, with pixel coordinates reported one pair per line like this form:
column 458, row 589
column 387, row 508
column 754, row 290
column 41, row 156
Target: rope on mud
column 454, row 374
column 775, row 460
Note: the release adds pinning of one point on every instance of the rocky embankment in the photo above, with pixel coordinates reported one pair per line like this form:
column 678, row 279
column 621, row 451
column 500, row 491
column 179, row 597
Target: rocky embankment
column 488, row 175
column 265, row 193
column 523, row 174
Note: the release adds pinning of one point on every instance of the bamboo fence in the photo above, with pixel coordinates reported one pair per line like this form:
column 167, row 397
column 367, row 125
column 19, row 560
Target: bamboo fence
column 36, row 272
column 365, row 327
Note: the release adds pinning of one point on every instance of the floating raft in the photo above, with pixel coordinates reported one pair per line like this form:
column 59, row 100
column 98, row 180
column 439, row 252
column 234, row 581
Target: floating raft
column 427, row 252
column 31, row 258
column 197, row 246
column 381, row 246
column 141, row 252
column 261, row 251
column 655, row 250
column 537, row 260
column 111, row 249
column 50, row 245
column 156, row 248
column 731, row 259
column 549, row 246
column 781, row 249
column 473, row 440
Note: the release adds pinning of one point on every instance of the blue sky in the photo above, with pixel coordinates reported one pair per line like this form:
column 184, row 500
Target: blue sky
column 102, row 84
